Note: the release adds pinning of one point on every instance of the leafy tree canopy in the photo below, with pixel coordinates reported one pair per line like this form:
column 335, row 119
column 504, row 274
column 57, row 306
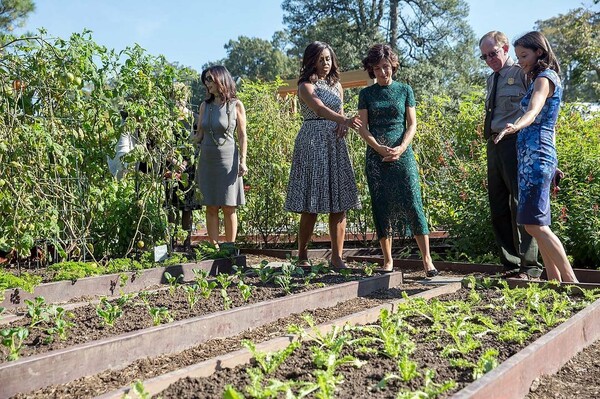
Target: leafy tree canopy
column 13, row 13
column 575, row 38
column 435, row 43
column 254, row 58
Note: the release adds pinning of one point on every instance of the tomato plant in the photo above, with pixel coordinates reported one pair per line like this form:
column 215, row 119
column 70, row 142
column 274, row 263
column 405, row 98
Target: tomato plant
column 60, row 104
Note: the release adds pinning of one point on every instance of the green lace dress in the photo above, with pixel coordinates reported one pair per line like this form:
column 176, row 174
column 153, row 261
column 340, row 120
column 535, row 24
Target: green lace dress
column 394, row 186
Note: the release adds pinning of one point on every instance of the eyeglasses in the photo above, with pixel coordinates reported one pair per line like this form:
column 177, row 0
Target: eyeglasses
column 491, row 55
column 208, row 79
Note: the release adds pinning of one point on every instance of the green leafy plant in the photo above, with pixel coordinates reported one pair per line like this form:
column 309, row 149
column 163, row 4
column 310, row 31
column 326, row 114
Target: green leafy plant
column 259, row 388
column 139, row 390
column 265, row 272
column 227, row 302
column 347, row 273
column 231, row 393
column 206, row 288
column 284, row 276
column 145, row 297
column 462, row 333
column 320, row 268
column 191, row 294
column 245, row 290
column 25, row 281
column 369, row 268
column 429, row 389
column 174, row 282
column 513, row 331
column 75, row 270
column 61, row 325
column 309, row 277
column 269, row 362
column 160, row 315
column 487, row 362
column 123, row 279
column 12, row 339
column 109, row 312
column 37, row 311
column 225, row 281
column 408, row 371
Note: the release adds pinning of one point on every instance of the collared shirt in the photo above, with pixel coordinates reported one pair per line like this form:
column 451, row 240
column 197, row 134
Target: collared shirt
column 512, row 86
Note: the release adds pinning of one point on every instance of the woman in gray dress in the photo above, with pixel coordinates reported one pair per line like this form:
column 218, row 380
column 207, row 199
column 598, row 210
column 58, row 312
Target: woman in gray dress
column 221, row 164
column 321, row 178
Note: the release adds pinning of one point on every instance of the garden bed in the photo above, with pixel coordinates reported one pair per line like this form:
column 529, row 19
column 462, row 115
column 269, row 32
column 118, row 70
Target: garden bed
column 115, row 284
column 142, row 369
column 467, row 355
column 63, row 365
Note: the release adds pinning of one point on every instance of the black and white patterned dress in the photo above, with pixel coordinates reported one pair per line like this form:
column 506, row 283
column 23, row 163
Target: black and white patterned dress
column 321, row 178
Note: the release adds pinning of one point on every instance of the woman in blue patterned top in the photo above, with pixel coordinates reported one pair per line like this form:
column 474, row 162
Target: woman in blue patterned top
column 387, row 111
column 536, row 152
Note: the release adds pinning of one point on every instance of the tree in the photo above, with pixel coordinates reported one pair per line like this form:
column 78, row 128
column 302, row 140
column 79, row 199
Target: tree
column 575, row 39
column 254, row 58
column 431, row 36
column 350, row 27
column 13, row 13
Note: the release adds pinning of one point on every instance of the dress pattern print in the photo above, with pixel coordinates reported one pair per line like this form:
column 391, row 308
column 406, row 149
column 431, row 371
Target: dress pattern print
column 321, row 177
column 394, row 186
column 536, row 155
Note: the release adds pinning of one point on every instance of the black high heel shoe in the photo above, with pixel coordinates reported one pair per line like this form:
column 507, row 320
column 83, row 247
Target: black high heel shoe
column 432, row 273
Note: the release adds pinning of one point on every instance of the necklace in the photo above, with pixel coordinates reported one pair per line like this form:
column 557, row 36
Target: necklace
column 210, row 130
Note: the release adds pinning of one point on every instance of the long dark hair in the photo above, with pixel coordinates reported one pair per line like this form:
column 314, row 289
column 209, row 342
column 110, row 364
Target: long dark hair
column 377, row 53
column 308, row 72
column 537, row 41
column 223, row 80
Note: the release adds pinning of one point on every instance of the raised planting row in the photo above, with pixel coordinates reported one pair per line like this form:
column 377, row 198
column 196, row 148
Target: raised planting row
column 425, row 348
column 388, row 300
column 146, row 368
column 114, row 284
column 114, row 333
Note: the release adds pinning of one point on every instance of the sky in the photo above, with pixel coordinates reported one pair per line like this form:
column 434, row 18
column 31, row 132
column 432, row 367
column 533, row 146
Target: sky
column 193, row 32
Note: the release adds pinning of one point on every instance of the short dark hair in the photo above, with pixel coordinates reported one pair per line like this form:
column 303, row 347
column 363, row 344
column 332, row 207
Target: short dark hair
column 308, row 72
column 535, row 41
column 223, row 80
column 377, row 53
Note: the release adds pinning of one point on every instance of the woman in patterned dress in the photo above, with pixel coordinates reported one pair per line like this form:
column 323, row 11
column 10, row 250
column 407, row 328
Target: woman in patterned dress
column 321, row 178
column 536, row 152
column 387, row 110
column 221, row 164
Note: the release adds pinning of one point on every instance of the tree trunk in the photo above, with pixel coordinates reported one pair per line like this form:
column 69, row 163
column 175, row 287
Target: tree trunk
column 394, row 24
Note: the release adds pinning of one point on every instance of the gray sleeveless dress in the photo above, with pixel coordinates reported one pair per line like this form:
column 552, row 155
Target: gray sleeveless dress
column 218, row 164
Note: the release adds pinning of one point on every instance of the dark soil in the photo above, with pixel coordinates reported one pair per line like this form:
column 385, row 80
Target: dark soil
column 360, row 382
column 88, row 326
column 91, row 386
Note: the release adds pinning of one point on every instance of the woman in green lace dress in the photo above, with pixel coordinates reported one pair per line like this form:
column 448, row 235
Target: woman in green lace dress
column 387, row 111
